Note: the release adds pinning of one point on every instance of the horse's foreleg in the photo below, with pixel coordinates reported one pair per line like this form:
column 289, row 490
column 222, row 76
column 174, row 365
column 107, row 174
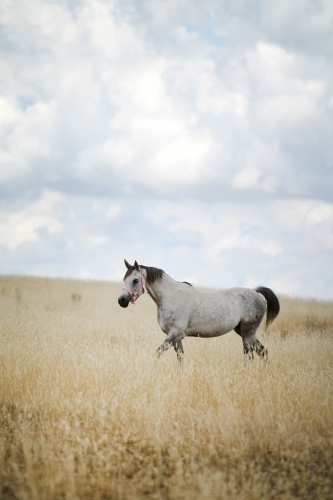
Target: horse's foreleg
column 178, row 347
column 173, row 338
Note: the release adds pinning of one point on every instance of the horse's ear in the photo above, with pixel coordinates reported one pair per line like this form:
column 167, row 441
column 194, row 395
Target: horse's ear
column 136, row 265
column 127, row 264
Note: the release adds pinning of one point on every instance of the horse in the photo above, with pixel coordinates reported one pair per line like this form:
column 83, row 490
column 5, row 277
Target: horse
column 184, row 311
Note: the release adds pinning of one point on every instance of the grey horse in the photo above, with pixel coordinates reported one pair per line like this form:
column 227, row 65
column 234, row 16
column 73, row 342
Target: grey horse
column 182, row 310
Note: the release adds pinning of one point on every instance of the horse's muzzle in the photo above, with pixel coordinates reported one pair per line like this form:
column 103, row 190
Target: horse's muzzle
column 123, row 301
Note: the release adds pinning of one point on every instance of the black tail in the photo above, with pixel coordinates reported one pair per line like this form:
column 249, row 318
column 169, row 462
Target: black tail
column 273, row 304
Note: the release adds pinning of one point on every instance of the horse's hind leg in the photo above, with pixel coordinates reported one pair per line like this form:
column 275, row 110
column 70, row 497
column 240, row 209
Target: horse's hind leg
column 178, row 347
column 250, row 343
column 247, row 346
column 261, row 350
column 237, row 329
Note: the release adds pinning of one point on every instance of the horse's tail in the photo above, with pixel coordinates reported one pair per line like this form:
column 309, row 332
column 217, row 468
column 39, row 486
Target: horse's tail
column 273, row 304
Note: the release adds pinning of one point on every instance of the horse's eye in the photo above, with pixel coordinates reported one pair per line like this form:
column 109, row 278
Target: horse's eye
column 135, row 281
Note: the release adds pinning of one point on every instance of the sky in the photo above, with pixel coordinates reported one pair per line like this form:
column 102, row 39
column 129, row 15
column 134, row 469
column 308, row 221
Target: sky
column 191, row 135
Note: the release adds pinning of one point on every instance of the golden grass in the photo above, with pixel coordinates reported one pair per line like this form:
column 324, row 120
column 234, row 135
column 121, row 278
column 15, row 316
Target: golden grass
column 87, row 412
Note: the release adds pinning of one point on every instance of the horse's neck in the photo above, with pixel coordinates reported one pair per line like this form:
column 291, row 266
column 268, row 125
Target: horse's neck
column 161, row 290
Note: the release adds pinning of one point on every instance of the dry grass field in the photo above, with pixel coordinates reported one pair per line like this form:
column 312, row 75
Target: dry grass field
column 87, row 412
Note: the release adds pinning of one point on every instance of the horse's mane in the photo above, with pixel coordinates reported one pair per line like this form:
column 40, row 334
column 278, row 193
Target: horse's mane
column 153, row 274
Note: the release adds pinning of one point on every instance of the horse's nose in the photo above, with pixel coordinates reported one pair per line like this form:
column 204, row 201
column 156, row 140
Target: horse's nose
column 122, row 301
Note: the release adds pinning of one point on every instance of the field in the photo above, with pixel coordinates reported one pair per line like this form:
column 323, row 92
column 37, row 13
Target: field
column 87, row 412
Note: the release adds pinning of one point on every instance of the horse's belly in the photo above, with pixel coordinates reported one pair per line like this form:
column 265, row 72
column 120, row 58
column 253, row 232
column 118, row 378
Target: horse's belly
column 210, row 329
column 206, row 335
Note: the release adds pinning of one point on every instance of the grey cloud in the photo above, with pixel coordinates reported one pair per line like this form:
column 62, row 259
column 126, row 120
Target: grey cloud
column 250, row 247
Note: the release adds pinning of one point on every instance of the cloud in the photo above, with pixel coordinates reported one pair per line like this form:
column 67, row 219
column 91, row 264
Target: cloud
column 107, row 98
column 25, row 225
column 185, row 134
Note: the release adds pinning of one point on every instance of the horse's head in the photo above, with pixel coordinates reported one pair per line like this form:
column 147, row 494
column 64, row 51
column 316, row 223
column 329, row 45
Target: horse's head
column 134, row 284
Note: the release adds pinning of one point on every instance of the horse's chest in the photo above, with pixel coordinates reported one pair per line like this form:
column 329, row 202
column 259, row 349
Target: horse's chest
column 169, row 318
column 164, row 320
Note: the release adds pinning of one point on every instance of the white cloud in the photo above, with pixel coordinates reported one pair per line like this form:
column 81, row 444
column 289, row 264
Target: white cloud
column 286, row 97
column 28, row 140
column 302, row 102
column 113, row 40
column 247, row 178
column 184, row 160
column 270, row 62
column 236, row 239
column 221, row 227
column 22, row 226
column 320, row 212
column 296, row 213
column 312, row 217
column 9, row 114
